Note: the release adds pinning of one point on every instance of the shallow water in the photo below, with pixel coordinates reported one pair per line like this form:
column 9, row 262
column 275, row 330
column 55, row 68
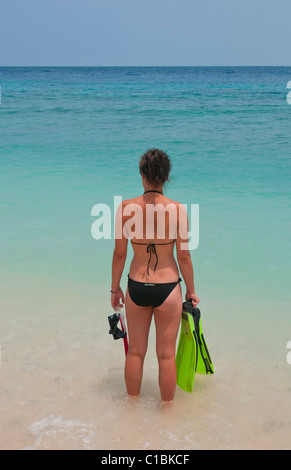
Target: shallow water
column 62, row 381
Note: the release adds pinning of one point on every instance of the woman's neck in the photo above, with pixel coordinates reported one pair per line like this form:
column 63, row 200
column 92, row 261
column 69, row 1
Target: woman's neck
column 158, row 189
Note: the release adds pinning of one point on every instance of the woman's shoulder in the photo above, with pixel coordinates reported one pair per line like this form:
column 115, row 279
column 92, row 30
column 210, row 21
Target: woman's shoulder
column 172, row 201
column 133, row 200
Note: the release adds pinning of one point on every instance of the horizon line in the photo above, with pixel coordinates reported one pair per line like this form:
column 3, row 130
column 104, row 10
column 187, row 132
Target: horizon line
column 150, row 66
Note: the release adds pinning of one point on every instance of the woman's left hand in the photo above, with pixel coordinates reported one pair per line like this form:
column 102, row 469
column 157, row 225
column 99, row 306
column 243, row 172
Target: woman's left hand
column 117, row 299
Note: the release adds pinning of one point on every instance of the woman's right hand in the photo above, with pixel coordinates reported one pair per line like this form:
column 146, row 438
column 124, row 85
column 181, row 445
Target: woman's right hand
column 192, row 296
column 117, row 299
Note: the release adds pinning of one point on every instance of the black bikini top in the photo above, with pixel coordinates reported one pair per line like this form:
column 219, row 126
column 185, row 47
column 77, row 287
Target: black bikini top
column 151, row 247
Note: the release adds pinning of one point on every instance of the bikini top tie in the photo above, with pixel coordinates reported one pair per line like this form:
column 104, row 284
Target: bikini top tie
column 151, row 249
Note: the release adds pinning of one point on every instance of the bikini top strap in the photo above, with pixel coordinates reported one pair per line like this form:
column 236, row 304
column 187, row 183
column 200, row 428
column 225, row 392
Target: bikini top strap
column 168, row 243
column 153, row 191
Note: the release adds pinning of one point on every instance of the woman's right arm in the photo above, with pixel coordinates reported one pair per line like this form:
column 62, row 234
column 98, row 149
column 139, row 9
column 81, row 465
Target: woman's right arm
column 118, row 260
column 184, row 256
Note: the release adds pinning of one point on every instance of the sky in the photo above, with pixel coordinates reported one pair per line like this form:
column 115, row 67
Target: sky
column 145, row 32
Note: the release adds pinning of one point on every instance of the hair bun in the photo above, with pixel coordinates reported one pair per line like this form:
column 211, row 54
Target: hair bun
column 155, row 165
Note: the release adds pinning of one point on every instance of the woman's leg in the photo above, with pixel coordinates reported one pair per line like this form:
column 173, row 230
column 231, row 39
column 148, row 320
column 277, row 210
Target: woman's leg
column 167, row 319
column 138, row 326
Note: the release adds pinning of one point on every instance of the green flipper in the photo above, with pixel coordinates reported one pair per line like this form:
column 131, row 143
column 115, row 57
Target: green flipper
column 187, row 353
column 192, row 353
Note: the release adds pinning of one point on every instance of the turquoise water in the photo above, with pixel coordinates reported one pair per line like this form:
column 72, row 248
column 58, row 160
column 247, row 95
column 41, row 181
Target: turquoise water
column 71, row 138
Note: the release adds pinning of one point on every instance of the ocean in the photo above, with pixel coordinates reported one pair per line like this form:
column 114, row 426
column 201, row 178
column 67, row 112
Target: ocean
column 71, row 138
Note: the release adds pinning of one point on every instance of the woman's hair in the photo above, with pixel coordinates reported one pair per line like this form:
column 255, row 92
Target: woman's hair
column 155, row 165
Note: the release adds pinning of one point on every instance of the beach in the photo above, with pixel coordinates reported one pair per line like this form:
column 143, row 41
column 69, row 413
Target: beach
column 62, row 383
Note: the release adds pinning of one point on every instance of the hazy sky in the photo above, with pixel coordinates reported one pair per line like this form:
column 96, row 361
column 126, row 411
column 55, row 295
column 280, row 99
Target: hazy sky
column 145, row 32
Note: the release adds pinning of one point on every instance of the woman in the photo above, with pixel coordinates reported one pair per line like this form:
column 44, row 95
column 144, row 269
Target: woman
column 153, row 282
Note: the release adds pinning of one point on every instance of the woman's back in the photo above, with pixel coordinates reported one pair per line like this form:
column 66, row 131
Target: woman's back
column 153, row 235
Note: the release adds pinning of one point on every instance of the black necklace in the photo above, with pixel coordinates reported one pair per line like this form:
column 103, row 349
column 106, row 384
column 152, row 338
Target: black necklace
column 153, row 191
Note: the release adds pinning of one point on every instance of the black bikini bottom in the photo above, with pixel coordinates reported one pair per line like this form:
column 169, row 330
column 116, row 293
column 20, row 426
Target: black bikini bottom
column 149, row 294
